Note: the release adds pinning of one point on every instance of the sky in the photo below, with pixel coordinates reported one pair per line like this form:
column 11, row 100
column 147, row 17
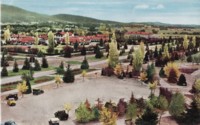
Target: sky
column 165, row 11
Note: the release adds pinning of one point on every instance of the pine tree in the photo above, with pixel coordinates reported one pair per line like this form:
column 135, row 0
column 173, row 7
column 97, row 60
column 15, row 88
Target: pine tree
column 4, row 71
column 28, row 84
column 99, row 54
column 113, row 52
column 177, row 105
column 84, row 64
column 68, row 75
column 182, row 80
column 148, row 118
column 162, row 73
column 156, row 52
column 4, row 61
column 61, row 65
column 150, row 72
column 193, row 114
column 15, row 67
column 44, row 63
column 37, row 66
column 76, row 46
column 83, row 51
column 26, row 65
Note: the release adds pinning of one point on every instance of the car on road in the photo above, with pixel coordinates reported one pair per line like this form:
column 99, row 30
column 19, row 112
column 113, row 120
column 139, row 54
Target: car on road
column 61, row 115
column 54, row 121
column 11, row 102
column 10, row 122
column 15, row 96
column 37, row 91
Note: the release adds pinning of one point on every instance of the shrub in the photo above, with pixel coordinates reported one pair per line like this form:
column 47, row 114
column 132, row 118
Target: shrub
column 189, row 58
column 121, row 107
column 44, row 63
column 108, row 117
column 172, row 78
column 68, row 75
column 15, row 67
column 32, row 58
column 84, row 64
column 108, row 71
column 150, row 72
column 4, row 71
column 28, row 84
column 197, row 86
column 26, row 65
column 50, row 50
column 9, row 58
column 166, row 93
column 172, row 72
column 182, row 80
column 4, row 61
column 122, row 52
column 131, row 111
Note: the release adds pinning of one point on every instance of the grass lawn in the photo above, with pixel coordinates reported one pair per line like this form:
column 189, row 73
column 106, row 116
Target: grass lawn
column 11, row 73
column 8, row 87
column 92, row 58
column 74, row 62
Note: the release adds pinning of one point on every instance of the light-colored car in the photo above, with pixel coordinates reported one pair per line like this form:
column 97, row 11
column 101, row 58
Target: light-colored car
column 54, row 121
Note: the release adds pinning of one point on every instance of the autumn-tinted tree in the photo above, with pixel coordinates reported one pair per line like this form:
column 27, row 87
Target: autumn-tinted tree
column 182, row 80
column 108, row 117
column 67, row 50
column 26, row 65
column 172, row 78
column 177, row 105
column 185, row 42
column 15, row 67
column 44, row 62
column 68, row 75
column 21, row 87
column 84, row 64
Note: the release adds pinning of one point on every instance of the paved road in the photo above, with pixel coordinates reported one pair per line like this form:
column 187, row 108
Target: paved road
column 44, row 73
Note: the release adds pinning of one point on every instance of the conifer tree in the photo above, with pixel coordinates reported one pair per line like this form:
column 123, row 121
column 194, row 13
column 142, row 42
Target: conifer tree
column 156, row 52
column 185, row 42
column 68, row 75
column 67, row 40
column 84, row 64
column 137, row 60
column 26, row 65
column 37, row 65
column 15, row 67
column 83, row 51
column 4, row 71
column 44, row 63
column 36, row 38
column 76, row 46
column 67, row 51
column 51, row 42
column 28, row 84
column 113, row 52
column 177, row 105
column 99, row 54
column 4, row 61
column 182, row 80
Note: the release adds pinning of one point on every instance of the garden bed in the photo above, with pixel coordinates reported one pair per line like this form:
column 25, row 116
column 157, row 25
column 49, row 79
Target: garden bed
column 13, row 85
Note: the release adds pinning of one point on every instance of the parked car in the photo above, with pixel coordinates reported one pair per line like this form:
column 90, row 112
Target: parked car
column 54, row 121
column 11, row 102
column 10, row 122
column 37, row 91
column 61, row 115
column 15, row 96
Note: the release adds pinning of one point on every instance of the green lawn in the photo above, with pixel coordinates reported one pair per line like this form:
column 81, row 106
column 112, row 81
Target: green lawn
column 92, row 58
column 74, row 62
column 11, row 73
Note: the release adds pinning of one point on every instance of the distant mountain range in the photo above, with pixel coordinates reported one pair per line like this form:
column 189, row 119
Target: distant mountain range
column 12, row 14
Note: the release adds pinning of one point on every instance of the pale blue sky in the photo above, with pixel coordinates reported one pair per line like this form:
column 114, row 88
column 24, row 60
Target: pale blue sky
column 166, row 11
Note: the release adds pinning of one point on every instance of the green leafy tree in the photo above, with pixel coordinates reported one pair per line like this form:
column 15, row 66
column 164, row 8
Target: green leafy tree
column 26, row 65
column 194, row 41
column 51, row 42
column 177, row 105
column 4, row 71
column 113, row 52
column 36, row 38
column 137, row 60
column 67, row 41
column 7, row 34
column 44, row 63
column 37, row 65
column 84, row 64
column 185, row 42
column 15, row 67
column 68, row 75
